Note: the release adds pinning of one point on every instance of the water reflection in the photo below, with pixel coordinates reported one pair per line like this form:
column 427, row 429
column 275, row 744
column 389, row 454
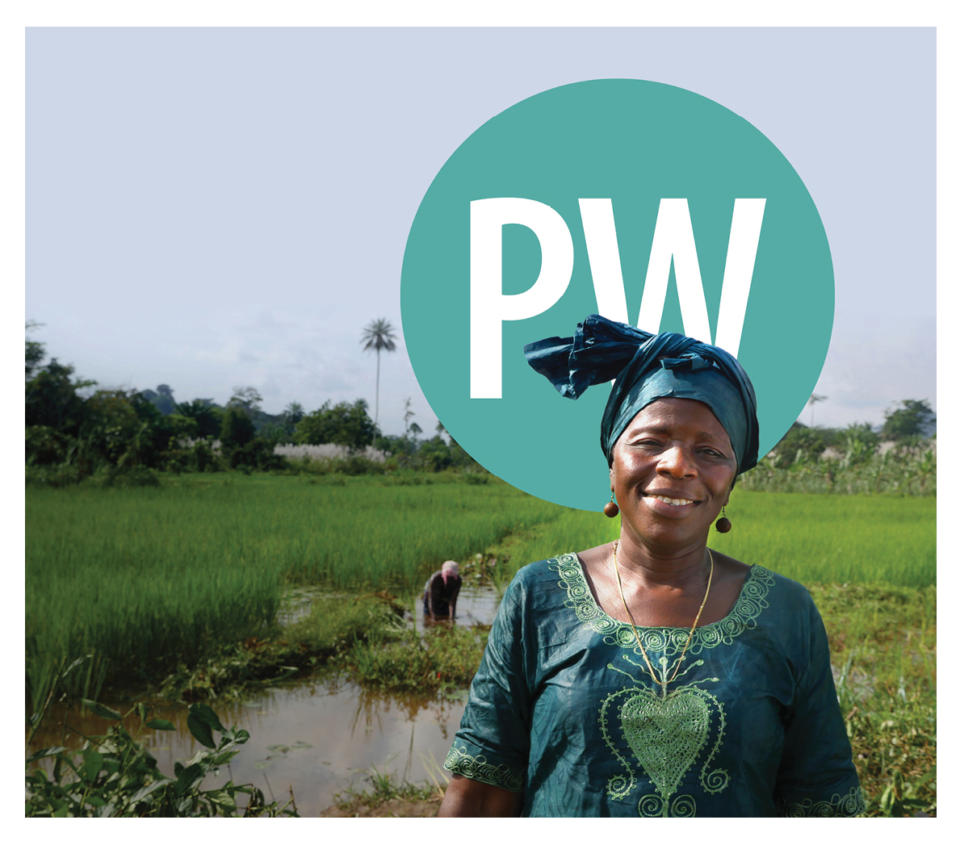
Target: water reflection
column 315, row 737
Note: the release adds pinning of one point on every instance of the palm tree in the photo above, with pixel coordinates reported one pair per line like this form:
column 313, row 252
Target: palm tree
column 814, row 399
column 378, row 335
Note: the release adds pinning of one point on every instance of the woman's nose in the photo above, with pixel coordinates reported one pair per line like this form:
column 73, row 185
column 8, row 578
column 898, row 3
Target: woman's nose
column 676, row 461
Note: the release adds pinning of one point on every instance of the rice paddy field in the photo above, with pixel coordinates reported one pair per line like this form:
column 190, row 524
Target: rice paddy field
column 129, row 583
column 142, row 577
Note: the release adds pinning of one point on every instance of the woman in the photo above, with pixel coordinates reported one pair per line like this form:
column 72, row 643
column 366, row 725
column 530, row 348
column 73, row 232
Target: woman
column 441, row 591
column 652, row 675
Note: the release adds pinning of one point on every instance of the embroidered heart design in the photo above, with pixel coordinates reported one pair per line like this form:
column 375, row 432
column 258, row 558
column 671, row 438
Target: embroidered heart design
column 665, row 734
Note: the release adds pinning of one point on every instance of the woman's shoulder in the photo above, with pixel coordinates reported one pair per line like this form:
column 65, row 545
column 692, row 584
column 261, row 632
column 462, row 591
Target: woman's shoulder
column 787, row 587
column 548, row 568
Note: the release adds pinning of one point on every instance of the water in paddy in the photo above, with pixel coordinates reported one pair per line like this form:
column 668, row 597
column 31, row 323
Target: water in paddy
column 317, row 737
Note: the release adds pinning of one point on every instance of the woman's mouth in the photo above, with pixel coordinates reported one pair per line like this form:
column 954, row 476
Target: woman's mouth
column 677, row 502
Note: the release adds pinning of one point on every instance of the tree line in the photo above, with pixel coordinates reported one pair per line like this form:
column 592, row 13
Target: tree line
column 75, row 430
column 908, row 425
column 124, row 434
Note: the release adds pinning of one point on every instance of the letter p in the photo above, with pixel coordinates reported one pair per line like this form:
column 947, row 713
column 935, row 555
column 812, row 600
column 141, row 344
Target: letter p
column 489, row 307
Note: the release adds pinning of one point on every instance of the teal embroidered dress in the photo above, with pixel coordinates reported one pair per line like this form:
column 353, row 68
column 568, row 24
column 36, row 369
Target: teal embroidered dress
column 563, row 708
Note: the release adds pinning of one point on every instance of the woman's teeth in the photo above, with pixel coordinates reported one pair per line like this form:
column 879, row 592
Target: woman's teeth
column 671, row 501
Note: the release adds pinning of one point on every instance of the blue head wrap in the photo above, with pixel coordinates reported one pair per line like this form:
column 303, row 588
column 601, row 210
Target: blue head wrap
column 645, row 368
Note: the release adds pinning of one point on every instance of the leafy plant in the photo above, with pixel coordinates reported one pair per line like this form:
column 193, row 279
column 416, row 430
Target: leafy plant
column 115, row 776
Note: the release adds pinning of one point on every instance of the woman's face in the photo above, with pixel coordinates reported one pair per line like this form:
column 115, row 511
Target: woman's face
column 673, row 468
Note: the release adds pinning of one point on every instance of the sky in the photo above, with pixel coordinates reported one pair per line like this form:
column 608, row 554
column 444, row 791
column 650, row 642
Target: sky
column 214, row 208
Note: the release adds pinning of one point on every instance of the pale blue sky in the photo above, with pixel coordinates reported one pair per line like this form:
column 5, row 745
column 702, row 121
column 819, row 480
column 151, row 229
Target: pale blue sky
column 214, row 208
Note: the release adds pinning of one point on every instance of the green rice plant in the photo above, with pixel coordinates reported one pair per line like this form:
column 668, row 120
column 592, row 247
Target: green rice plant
column 143, row 578
column 139, row 580
column 834, row 538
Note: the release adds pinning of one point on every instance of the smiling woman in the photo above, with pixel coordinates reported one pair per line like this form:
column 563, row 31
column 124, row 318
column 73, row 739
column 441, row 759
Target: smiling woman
column 672, row 472
column 653, row 676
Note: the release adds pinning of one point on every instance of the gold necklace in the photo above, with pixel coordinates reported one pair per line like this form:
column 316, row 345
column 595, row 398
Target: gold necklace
column 633, row 624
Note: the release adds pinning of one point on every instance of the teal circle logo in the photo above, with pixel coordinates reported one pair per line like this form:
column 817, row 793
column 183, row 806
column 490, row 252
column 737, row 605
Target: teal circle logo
column 646, row 203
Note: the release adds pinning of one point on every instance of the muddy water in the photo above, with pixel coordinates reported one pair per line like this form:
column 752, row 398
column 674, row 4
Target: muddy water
column 317, row 737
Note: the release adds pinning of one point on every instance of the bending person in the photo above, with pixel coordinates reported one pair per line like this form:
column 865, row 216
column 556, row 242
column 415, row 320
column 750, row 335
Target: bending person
column 441, row 591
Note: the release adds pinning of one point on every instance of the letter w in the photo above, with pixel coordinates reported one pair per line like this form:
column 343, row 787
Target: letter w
column 673, row 242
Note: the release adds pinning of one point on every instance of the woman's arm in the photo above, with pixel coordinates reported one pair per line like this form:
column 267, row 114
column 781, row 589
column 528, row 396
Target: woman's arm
column 466, row 798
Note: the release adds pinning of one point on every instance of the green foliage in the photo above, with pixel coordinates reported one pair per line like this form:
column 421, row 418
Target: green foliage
column 208, row 418
column 435, row 454
column 115, row 776
column 34, row 351
column 395, row 445
column 145, row 578
column 834, row 538
column 440, row 663
column 378, row 335
column 111, row 427
column 52, row 399
column 202, row 459
column 913, row 419
column 333, row 626
column 381, row 789
column 802, row 444
column 137, row 476
column 860, row 444
column 345, row 424
column 161, row 399
column 236, row 429
column 883, row 649
column 246, row 398
column 46, row 446
column 256, row 454
column 53, row 476
column 860, row 470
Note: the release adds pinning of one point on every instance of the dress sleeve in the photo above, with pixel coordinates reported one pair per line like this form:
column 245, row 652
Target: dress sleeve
column 817, row 777
column 492, row 743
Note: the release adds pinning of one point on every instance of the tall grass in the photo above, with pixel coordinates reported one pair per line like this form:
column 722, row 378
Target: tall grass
column 143, row 577
column 140, row 579
column 819, row 538
column 812, row 538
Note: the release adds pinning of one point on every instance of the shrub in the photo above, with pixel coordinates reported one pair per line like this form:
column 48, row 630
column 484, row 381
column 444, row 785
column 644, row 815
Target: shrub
column 115, row 776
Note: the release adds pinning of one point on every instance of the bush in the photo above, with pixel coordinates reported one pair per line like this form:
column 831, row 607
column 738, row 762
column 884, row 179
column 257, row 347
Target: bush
column 256, row 455
column 54, row 476
column 115, row 776
column 802, row 444
column 111, row 476
column 45, row 445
